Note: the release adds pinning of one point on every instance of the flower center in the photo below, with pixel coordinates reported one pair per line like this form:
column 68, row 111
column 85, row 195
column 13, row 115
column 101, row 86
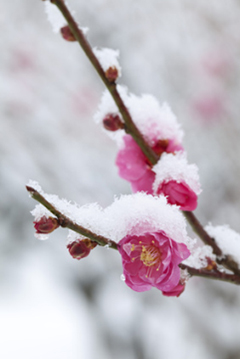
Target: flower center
column 150, row 256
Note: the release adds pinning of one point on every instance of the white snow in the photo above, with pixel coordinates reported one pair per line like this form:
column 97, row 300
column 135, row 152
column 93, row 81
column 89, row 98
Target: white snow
column 129, row 214
column 175, row 167
column 198, row 257
column 73, row 237
column 154, row 121
column 227, row 239
column 55, row 17
column 108, row 58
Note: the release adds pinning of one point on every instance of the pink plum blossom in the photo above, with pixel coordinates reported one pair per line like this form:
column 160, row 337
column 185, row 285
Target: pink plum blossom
column 151, row 260
column 179, row 193
column 134, row 166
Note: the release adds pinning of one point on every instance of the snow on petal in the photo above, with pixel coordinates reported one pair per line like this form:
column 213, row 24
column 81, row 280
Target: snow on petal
column 154, row 121
column 175, row 167
column 127, row 215
column 139, row 213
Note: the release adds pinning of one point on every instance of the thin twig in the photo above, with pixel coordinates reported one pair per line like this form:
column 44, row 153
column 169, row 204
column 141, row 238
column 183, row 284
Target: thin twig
column 222, row 259
column 198, row 228
column 64, row 221
column 214, row 274
column 111, row 86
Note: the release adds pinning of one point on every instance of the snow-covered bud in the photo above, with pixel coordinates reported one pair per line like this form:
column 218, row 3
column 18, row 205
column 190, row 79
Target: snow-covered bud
column 46, row 225
column 112, row 74
column 82, row 248
column 177, row 180
column 112, row 122
column 67, row 34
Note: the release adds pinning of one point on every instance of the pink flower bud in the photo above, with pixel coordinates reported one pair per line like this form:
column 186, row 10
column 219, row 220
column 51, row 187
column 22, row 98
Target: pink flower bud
column 67, row 34
column 112, row 122
column 151, row 260
column 112, row 74
column 179, row 193
column 46, row 225
column 160, row 146
column 134, row 166
column 82, row 248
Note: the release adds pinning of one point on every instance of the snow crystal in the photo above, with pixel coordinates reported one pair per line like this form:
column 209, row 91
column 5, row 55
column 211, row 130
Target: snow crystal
column 175, row 167
column 108, row 58
column 35, row 185
column 42, row 237
column 198, row 257
column 153, row 121
column 55, row 17
column 227, row 239
column 40, row 211
column 139, row 213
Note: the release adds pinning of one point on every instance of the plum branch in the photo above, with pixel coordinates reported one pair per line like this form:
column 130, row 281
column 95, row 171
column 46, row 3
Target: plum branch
column 66, row 222
column 130, row 126
column 225, row 260
column 213, row 274
column 153, row 158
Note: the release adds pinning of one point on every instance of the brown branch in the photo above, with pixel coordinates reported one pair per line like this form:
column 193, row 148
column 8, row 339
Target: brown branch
column 111, row 86
column 222, row 259
column 198, row 228
column 214, row 274
column 131, row 128
column 64, row 221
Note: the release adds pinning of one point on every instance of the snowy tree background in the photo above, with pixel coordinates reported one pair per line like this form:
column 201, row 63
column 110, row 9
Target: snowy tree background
column 181, row 51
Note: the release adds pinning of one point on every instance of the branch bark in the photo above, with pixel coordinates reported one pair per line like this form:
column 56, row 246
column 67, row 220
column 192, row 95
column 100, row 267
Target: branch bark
column 215, row 274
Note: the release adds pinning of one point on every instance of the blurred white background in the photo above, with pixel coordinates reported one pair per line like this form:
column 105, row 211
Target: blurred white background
column 182, row 51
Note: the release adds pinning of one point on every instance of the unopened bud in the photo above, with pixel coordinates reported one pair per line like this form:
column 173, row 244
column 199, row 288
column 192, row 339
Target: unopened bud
column 46, row 225
column 67, row 34
column 160, row 146
column 112, row 74
column 82, row 248
column 112, row 122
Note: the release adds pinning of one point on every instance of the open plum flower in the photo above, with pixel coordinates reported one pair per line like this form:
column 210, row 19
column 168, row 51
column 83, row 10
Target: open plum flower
column 134, row 166
column 177, row 180
column 151, row 260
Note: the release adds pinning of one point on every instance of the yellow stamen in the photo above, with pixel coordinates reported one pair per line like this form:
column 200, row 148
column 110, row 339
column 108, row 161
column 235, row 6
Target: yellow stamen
column 150, row 255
